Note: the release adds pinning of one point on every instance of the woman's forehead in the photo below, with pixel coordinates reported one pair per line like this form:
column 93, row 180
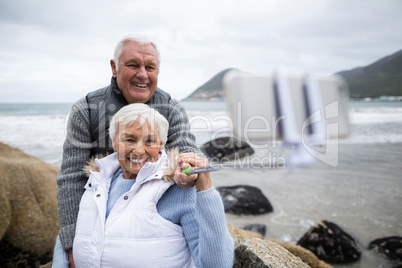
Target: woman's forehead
column 138, row 128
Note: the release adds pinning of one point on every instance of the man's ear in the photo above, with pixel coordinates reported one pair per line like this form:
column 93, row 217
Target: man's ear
column 113, row 66
column 114, row 145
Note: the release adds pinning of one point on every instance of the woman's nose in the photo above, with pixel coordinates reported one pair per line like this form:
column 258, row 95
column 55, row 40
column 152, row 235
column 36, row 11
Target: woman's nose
column 138, row 148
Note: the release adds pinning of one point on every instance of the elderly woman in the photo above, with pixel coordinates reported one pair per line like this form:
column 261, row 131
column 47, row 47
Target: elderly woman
column 132, row 215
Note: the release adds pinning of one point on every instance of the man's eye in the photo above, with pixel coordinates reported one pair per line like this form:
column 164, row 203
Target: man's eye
column 151, row 68
column 150, row 141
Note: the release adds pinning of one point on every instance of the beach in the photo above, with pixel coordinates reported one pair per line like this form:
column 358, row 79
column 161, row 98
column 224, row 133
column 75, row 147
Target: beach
column 363, row 195
column 361, row 192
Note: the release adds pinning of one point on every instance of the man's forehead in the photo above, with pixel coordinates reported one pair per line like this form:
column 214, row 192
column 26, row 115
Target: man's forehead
column 143, row 50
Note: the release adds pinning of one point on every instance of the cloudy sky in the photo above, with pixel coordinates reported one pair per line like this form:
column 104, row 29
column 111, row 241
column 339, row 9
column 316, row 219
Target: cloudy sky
column 57, row 51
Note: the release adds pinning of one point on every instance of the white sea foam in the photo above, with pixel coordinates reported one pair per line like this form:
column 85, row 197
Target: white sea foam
column 41, row 132
column 370, row 123
column 38, row 135
column 376, row 115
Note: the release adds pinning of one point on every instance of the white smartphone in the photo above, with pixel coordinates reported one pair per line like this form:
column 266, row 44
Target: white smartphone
column 269, row 107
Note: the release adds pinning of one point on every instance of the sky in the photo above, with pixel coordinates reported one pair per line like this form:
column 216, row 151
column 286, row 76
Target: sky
column 58, row 51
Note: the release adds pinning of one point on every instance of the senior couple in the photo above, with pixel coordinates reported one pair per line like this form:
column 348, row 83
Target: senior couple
column 133, row 211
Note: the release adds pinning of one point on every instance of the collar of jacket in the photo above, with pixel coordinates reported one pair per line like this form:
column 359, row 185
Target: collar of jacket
column 110, row 164
column 116, row 91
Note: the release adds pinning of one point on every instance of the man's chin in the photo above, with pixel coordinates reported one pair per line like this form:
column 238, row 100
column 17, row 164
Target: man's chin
column 140, row 97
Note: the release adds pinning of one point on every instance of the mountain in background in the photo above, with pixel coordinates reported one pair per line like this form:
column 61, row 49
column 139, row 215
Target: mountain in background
column 381, row 78
column 212, row 90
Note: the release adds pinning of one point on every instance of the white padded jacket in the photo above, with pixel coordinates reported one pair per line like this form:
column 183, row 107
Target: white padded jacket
column 134, row 235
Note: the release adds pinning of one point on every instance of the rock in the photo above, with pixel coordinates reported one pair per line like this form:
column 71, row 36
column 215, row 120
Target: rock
column 251, row 250
column 306, row 255
column 330, row 243
column 389, row 247
column 257, row 253
column 11, row 257
column 243, row 235
column 258, row 228
column 226, row 148
column 243, row 199
column 240, row 234
column 28, row 206
column 47, row 265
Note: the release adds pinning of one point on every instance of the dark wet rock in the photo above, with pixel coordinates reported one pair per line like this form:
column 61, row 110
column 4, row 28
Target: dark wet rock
column 226, row 148
column 12, row 257
column 330, row 243
column 258, row 228
column 244, row 199
column 389, row 247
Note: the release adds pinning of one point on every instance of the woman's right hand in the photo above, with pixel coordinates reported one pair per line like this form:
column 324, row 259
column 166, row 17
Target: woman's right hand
column 201, row 181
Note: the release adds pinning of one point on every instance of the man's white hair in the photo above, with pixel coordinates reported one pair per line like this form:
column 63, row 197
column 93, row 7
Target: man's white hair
column 127, row 115
column 134, row 37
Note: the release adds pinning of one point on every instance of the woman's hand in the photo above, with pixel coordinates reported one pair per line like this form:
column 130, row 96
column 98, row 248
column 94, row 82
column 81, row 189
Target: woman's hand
column 201, row 181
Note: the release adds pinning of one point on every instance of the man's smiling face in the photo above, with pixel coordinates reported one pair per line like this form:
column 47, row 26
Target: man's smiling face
column 137, row 72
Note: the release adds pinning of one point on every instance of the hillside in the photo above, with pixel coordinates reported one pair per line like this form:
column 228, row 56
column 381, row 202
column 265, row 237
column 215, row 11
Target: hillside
column 212, row 90
column 381, row 78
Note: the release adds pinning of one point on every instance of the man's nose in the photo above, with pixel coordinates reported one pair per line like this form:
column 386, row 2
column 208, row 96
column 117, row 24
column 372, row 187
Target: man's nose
column 142, row 73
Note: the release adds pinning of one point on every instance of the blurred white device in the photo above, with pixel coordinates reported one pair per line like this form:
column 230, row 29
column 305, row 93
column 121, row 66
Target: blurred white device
column 298, row 110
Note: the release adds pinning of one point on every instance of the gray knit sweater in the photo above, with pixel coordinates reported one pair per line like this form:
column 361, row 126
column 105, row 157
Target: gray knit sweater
column 71, row 178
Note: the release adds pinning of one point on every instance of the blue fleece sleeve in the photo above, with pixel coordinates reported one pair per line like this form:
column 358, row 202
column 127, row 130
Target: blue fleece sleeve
column 202, row 216
column 215, row 244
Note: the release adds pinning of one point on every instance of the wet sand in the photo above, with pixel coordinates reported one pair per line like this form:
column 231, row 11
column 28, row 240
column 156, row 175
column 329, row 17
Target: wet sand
column 362, row 194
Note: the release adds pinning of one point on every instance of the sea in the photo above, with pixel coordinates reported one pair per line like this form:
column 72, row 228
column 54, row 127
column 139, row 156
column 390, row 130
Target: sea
column 362, row 193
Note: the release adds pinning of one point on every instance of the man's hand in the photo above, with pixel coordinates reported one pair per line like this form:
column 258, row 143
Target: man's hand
column 71, row 263
column 201, row 181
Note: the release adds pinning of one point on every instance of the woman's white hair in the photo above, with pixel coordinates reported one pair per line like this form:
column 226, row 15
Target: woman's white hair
column 135, row 37
column 127, row 115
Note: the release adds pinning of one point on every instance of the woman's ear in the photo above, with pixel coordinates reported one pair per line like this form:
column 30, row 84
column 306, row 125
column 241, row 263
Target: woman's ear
column 114, row 145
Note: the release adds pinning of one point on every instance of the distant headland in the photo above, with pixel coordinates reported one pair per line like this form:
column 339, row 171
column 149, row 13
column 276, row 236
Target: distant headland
column 381, row 80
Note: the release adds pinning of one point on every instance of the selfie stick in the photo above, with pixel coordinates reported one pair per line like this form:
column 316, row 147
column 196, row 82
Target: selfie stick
column 197, row 170
column 315, row 126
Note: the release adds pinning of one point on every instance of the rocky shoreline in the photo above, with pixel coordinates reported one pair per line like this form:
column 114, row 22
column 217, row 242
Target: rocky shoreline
column 29, row 224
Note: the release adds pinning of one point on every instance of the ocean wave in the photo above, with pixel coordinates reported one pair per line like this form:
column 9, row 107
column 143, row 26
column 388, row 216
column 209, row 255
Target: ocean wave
column 42, row 133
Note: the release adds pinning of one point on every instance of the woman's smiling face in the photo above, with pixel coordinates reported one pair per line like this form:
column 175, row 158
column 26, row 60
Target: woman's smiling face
column 136, row 145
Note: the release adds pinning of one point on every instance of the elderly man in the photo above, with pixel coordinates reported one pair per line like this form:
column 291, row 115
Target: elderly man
column 135, row 70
